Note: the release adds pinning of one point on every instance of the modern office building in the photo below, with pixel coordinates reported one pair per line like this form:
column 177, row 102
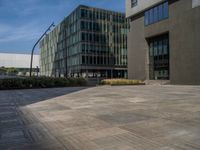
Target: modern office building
column 89, row 42
column 164, row 40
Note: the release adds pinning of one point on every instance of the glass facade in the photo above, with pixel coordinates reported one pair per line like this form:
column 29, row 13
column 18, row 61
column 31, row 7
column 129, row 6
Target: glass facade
column 157, row 13
column 89, row 42
column 159, row 57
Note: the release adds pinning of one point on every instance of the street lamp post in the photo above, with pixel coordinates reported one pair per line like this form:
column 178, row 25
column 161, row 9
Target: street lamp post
column 49, row 28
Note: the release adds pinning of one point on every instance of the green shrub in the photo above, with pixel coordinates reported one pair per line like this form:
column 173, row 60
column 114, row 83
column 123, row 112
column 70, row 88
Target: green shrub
column 61, row 82
column 77, row 81
column 81, row 81
column 12, row 70
column 3, row 70
column 72, row 81
column 40, row 82
column 121, row 82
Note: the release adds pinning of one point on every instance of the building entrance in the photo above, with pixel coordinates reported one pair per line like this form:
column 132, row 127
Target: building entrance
column 159, row 57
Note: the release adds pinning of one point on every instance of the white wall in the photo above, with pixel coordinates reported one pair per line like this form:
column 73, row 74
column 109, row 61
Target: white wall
column 141, row 6
column 18, row 60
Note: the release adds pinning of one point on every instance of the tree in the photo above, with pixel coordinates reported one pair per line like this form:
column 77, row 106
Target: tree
column 3, row 70
column 12, row 71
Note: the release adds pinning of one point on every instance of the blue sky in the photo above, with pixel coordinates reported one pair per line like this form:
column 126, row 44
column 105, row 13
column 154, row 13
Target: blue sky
column 23, row 21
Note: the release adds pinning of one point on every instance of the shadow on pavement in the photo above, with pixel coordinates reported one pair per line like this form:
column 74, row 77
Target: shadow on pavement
column 20, row 127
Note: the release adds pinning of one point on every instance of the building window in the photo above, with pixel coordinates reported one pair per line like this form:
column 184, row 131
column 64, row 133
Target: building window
column 133, row 3
column 157, row 14
column 159, row 57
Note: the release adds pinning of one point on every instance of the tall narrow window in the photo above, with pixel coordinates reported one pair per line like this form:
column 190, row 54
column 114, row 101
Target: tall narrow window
column 165, row 46
column 155, row 48
column 155, row 14
column 160, row 12
column 160, row 47
column 151, row 48
column 165, row 10
column 151, row 16
column 83, row 59
column 146, row 18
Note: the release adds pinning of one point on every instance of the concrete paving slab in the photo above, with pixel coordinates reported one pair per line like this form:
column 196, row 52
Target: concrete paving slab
column 101, row 118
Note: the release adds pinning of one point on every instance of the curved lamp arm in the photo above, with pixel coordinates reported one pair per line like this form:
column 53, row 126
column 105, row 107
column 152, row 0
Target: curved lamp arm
column 49, row 28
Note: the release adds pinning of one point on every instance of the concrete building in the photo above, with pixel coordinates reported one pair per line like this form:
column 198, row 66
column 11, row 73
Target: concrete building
column 9, row 60
column 89, row 42
column 19, row 61
column 164, row 40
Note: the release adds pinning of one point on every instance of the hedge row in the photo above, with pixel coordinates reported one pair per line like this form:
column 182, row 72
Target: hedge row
column 40, row 82
column 121, row 82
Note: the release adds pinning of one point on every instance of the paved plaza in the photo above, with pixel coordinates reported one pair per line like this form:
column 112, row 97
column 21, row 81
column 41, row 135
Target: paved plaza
column 101, row 118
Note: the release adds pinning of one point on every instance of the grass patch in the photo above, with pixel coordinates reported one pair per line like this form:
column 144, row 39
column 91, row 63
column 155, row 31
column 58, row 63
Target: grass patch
column 121, row 82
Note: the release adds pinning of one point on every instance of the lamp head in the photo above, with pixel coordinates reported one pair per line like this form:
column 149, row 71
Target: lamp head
column 53, row 25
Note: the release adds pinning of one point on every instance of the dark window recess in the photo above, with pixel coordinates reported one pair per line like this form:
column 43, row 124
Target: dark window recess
column 159, row 57
column 157, row 14
column 133, row 3
column 83, row 59
column 83, row 37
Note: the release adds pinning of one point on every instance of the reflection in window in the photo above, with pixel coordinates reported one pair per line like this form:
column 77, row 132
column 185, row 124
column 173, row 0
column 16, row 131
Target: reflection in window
column 151, row 16
column 165, row 46
column 157, row 14
column 160, row 12
column 165, row 10
column 160, row 48
column 151, row 49
column 155, row 48
column 159, row 57
column 146, row 18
